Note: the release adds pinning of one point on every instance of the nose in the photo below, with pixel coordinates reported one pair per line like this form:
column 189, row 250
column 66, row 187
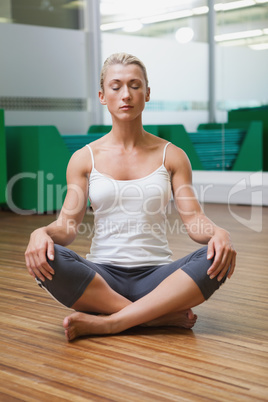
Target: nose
column 126, row 93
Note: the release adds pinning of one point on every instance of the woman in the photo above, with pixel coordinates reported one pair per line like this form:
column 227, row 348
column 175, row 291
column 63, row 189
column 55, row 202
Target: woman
column 128, row 278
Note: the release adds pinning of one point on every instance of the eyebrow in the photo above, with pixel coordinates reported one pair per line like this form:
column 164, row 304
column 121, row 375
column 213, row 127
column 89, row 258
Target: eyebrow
column 132, row 80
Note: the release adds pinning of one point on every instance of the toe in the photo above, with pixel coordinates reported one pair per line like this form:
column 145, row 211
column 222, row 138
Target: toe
column 67, row 335
column 66, row 322
column 190, row 314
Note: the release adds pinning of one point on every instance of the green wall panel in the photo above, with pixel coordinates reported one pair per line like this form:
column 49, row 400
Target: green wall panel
column 36, row 164
column 254, row 114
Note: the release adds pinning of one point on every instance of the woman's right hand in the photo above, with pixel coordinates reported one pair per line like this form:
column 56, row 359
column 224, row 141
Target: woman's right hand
column 40, row 247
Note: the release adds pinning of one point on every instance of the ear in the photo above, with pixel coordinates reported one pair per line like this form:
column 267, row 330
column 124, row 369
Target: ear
column 102, row 98
column 147, row 98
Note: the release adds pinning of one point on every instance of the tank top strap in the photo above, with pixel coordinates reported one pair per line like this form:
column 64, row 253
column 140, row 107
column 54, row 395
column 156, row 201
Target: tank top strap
column 92, row 157
column 164, row 153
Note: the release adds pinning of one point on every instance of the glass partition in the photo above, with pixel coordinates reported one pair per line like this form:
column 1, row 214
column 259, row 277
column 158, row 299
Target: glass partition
column 48, row 13
column 241, row 38
column 171, row 37
column 242, row 54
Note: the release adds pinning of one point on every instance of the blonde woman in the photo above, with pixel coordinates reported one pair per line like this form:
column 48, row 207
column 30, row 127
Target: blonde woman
column 128, row 278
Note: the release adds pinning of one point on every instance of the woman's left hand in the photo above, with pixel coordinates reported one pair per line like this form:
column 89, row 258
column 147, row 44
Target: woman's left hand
column 221, row 249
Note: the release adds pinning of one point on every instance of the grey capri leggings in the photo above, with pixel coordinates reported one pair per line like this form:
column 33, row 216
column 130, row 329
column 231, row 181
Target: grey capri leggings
column 74, row 273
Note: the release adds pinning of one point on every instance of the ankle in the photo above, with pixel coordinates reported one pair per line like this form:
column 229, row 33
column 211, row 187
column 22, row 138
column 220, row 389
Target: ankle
column 113, row 324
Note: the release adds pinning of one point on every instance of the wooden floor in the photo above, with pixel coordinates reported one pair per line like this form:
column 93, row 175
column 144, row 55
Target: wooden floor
column 224, row 358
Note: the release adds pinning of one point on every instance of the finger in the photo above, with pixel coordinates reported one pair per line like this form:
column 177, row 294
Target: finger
column 215, row 267
column 40, row 266
column 28, row 266
column 31, row 273
column 42, row 274
column 50, row 250
column 31, row 262
column 226, row 263
column 210, row 251
column 225, row 267
column 232, row 268
column 46, row 270
column 45, row 266
column 45, row 274
column 37, row 268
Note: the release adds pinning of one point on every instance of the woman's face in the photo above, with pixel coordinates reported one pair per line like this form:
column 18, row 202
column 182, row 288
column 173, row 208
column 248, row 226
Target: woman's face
column 125, row 91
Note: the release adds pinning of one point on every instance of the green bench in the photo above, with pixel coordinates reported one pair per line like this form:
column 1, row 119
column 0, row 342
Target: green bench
column 34, row 158
column 241, row 145
column 218, row 149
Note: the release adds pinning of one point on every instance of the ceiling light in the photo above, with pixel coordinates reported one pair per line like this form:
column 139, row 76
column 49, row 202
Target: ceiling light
column 133, row 26
column 201, row 10
column 238, row 35
column 184, row 35
column 167, row 16
column 234, row 5
column 179, row 14
column 113, row 25
column 259, row 46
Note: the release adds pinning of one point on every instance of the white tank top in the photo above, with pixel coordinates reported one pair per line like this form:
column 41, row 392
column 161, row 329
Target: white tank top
column 130, row 218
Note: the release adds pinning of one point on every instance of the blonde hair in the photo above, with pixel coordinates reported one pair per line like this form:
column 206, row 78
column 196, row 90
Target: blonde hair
column 125, row 59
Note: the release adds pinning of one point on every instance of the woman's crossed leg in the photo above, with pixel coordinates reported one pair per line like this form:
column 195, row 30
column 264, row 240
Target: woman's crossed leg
column 169, row 303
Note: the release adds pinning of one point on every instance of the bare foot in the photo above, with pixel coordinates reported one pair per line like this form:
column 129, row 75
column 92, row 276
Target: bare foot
column 80, row 324
column 181, row 319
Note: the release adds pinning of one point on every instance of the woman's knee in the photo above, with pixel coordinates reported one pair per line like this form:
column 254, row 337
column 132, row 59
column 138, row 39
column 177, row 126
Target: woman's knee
column 70, row 278
column 61, row 256
column 197, row 270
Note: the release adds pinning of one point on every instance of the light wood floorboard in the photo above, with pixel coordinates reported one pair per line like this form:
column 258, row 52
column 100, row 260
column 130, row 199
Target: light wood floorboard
column 224, row 358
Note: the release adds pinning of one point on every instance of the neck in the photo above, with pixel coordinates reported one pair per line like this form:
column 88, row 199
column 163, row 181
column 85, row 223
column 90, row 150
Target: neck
column 127, row 134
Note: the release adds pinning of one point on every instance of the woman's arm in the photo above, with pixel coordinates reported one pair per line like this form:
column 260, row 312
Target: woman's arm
column 64, row 229
column 199, row 227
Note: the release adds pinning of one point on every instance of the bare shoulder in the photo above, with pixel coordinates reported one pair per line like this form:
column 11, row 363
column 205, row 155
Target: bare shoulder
column 80, row 162
column 98, row 146
column 155, row 142
column 154, row 139
column 177, row 160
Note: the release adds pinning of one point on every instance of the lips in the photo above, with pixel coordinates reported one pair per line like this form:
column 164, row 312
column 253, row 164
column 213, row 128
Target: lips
column 126, row 107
